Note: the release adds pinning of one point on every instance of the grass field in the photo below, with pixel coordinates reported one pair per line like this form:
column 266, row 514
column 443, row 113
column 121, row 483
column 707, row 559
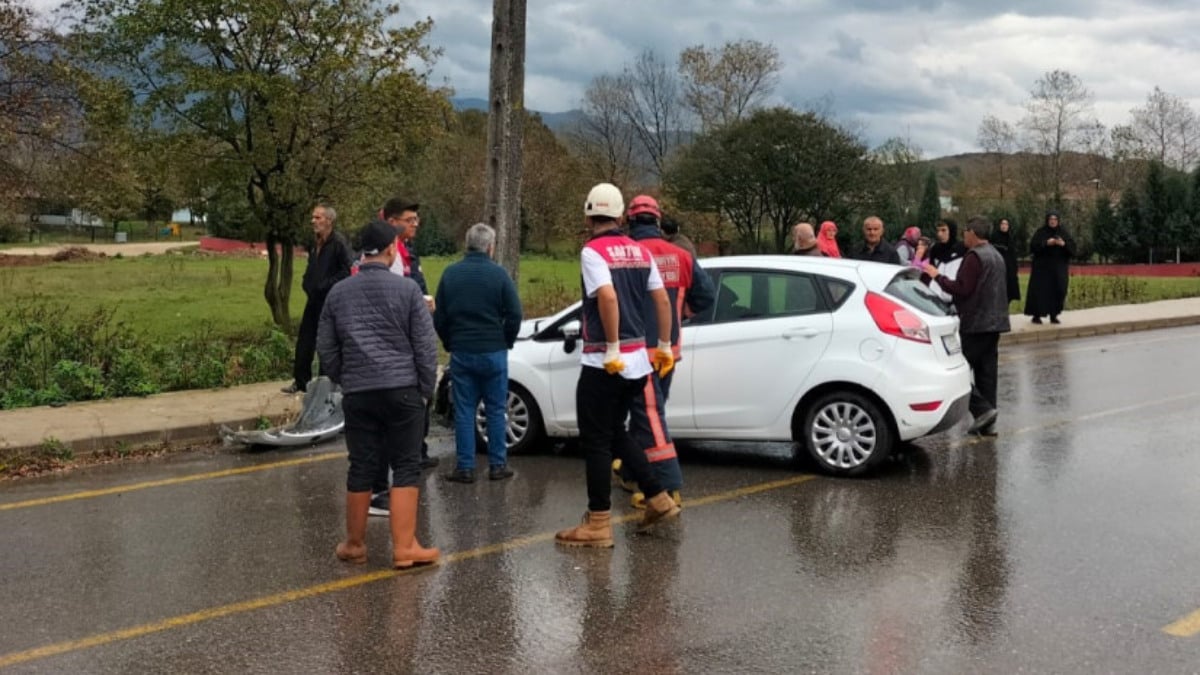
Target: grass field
column 171, row 295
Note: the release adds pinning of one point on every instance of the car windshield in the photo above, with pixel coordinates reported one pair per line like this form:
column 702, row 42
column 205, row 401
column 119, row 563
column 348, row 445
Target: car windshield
column 907, row 286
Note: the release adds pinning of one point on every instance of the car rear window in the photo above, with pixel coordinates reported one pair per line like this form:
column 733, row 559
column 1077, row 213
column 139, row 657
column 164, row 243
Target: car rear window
column 907, row 286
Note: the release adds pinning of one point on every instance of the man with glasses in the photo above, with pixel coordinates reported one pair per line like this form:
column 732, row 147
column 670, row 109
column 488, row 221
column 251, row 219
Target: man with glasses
column 402, row 215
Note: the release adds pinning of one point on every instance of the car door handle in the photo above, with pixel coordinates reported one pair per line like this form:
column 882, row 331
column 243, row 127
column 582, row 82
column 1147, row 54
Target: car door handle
column 800, row 333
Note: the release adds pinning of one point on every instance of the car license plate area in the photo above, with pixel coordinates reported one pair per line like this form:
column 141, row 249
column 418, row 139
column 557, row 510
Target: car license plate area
column 952, row 344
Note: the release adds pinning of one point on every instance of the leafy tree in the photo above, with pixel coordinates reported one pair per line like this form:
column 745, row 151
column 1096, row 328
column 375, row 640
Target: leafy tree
column 1106, row 233
column 931, row 204
column 897, row 164
column 722, row 86
column 1128, row 246
column 770, row 170
column 293, row 95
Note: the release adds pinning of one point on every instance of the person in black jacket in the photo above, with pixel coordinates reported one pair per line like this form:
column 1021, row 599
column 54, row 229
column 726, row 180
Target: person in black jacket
column 377, row 342
column 1051, row 250
column 329, row 261
column 1002, row 240
column 874, row 247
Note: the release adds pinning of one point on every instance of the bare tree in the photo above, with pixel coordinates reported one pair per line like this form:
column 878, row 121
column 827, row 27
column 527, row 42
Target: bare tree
column 1058, row 108
column 998, row 139
column 651, row 104
column 721, row 86
column 1095, row 144
column 1124, row 146
column 603, row 137
column 1167, row 129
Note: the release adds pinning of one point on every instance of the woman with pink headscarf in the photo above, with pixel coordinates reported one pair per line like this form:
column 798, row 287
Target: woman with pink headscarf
column 827, row 240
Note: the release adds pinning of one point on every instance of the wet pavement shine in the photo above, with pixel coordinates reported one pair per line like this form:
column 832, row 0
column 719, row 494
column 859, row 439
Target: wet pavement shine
column 1068, row 544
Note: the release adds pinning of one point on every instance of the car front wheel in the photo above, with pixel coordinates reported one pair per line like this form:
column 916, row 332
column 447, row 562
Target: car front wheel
column 524, row 423
column 845, row 433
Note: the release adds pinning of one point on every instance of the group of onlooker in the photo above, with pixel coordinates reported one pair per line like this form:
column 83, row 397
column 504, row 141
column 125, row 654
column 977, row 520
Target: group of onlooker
column 1051, row 249
column 978, row 275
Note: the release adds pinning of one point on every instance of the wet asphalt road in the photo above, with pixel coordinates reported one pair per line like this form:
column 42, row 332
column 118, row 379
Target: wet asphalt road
column 1066, row 545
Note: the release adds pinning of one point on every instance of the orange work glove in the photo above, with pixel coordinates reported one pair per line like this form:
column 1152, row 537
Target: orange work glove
column 663, row 360
column 612, row 358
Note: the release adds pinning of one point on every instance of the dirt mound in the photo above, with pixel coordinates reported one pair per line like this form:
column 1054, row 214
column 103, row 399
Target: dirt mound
column 22, row 260
column 76, row 253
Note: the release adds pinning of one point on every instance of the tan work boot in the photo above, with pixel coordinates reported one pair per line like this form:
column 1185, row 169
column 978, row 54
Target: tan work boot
column 354, row 548
column 406, row 550
column 595, row 531
column 638, row 499
column 658, row 508
column 626, row 485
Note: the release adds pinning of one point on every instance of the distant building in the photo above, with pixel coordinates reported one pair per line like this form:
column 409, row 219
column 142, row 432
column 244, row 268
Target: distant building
column 76, row 218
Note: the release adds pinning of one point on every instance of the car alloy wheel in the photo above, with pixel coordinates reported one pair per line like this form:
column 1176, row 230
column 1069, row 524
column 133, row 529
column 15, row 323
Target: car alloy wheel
column 846, row 434
column 523, row 422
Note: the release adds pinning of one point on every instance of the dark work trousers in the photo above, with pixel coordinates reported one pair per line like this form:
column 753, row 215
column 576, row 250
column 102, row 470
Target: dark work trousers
column 648, row 429
column 602, row 402
column 383, row 428
column 306, row 341
column 382, row 481
column 664, row 383
column 982, row 352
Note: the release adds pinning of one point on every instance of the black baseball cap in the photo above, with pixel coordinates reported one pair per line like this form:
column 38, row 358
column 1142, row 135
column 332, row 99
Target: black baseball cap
column 376, row 237
column 397, row 205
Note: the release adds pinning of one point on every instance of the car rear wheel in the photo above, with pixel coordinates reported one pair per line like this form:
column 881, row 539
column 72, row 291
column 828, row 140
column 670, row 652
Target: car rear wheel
column 524, row 423
column 845, row 433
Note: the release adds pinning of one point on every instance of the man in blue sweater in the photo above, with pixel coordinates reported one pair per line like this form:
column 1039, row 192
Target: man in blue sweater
column 478, row 316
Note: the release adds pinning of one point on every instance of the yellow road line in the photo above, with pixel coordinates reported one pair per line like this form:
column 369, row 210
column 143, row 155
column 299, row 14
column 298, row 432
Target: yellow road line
column 1188, row 626
column 131, row 487
column 285, row 597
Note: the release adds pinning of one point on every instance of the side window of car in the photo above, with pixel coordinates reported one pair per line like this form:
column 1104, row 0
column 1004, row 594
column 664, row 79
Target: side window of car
column 757, row 295
column 837, row 290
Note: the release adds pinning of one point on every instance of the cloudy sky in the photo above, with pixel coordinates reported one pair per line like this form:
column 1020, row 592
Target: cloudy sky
column 928, row 70
column 924, row 69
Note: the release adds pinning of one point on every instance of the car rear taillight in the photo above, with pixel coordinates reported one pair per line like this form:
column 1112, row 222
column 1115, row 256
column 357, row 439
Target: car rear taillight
column 894, row 319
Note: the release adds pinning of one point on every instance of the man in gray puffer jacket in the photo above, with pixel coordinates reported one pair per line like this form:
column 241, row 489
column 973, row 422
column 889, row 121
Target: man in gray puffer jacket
column 376, row 340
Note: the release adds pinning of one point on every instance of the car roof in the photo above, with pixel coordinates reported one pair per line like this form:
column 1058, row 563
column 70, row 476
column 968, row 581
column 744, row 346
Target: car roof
column 877, row 275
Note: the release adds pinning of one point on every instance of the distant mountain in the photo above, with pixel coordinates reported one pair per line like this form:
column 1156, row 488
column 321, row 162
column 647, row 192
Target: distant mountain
column 556, row 121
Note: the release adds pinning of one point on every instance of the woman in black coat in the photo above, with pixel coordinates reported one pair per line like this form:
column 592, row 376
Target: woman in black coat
column 1002, row 240
column 1051, row 250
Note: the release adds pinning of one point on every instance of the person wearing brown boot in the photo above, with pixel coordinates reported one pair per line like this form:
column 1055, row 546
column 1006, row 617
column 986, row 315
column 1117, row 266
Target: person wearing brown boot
column 406, row 550
column 354, row 548
column 387, row 370
column 618, row 275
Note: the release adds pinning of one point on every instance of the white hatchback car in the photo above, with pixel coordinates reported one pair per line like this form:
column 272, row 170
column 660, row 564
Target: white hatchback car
column 845, row 358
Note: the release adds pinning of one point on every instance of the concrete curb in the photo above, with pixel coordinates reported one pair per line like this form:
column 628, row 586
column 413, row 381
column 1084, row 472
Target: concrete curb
column 1054, row 333
column 193, row 434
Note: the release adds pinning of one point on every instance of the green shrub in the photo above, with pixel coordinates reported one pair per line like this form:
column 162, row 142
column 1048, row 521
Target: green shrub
column 48, row 355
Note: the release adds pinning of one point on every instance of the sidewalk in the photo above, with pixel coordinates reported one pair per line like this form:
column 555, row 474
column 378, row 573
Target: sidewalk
column 195, row 416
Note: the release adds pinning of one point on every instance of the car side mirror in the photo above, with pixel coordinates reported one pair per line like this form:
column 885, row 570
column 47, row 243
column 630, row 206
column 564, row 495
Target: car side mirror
column 570, row 331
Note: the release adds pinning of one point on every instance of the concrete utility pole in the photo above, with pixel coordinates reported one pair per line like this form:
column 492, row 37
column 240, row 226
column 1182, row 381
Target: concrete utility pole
column 506, row 130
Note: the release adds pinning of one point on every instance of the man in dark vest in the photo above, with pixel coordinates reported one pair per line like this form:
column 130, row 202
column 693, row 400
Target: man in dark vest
column 617, row 274
column 688, row 287
column 980, row 295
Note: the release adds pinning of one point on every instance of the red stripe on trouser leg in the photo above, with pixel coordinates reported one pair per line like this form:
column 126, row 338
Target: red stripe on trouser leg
column 663, row 449
column 661, row 454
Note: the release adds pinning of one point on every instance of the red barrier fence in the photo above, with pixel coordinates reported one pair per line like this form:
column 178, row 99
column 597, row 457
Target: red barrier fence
column 220, row 245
